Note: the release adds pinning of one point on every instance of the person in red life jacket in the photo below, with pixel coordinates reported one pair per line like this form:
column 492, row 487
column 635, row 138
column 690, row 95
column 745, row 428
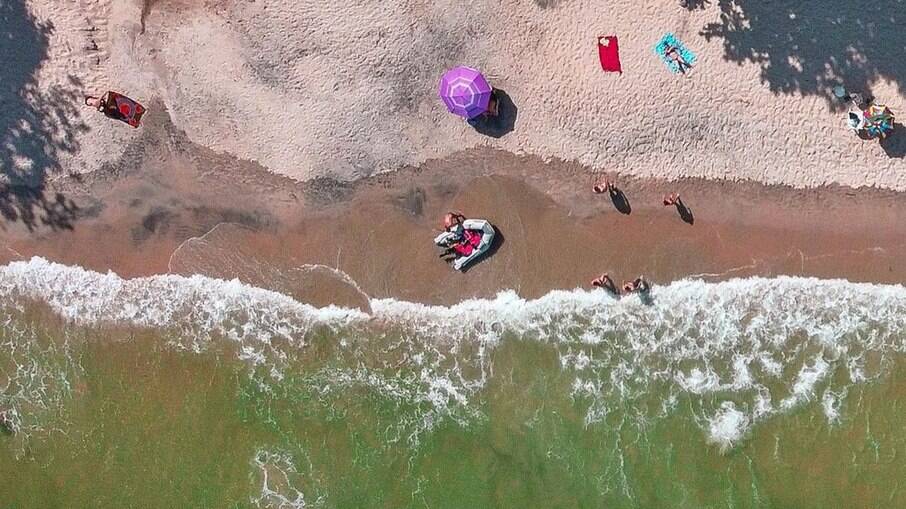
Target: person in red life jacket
column 467, row 239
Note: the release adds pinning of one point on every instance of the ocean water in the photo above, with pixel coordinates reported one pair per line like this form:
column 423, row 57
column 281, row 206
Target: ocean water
column 192, row 392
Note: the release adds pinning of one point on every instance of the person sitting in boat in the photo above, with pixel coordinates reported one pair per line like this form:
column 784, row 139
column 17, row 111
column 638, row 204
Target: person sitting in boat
column 466, row 239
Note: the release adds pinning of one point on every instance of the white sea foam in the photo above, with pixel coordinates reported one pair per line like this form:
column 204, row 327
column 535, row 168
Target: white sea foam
column 698, row 381
column 806, row 380
column 198, row 306
column 728, row 425
column 831, row 402
column 699, row 338
column 279, row 482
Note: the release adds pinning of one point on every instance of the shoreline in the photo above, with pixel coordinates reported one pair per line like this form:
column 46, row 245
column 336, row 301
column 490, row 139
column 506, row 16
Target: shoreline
column 304, row 239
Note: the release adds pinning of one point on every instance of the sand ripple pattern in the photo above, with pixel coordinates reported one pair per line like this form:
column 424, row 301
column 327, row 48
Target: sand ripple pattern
column 348, row 88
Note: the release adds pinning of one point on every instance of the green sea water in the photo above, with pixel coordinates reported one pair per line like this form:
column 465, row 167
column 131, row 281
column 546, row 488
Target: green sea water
column 126, row 417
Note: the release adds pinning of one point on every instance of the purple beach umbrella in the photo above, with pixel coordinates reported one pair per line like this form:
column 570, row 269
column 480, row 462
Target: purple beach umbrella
column 465, row 91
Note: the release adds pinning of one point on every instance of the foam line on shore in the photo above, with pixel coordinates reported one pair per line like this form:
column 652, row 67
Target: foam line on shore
column 703, row 340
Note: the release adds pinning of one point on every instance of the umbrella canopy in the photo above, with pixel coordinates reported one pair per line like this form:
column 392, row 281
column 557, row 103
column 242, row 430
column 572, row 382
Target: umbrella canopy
column 465, row 91
column 879, row 120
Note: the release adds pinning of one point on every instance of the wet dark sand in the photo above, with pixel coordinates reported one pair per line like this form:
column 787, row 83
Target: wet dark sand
column 132, row 216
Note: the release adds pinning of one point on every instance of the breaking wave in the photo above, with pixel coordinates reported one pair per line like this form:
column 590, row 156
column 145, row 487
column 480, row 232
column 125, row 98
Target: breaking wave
column 741, row 351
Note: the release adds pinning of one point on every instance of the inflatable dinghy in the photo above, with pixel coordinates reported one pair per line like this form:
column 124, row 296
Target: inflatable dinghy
column 468, row 241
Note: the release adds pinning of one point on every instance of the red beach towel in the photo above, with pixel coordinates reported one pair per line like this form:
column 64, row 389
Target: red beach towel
column 609, row 53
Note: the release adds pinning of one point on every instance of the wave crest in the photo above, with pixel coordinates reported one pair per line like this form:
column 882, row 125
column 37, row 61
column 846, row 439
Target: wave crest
column 739, row 339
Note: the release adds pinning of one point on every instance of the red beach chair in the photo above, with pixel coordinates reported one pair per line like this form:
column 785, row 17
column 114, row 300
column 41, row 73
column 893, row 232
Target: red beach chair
column 122, row 108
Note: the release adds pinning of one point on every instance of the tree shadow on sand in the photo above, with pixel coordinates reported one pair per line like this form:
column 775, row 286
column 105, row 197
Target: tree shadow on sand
column 694, row 5
column 809, row 47
column 36, row 126
column 504, row 122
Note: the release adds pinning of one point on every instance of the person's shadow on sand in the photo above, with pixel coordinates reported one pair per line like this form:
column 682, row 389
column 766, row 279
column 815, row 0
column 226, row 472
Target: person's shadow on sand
column 895, row 144
column 620, row 201
column 685, row 213
column 504, row 122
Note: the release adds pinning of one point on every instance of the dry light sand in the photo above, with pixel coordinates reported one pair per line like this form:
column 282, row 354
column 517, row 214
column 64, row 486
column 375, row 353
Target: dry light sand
column 347, row 88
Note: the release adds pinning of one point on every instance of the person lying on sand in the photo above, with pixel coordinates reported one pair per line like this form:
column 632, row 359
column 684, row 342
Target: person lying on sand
column 118, row 107
column 604, row 281
column 673, row 53
column 105, row 106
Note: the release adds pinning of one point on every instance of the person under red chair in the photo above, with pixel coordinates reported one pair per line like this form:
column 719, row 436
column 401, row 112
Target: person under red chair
column 118, row 107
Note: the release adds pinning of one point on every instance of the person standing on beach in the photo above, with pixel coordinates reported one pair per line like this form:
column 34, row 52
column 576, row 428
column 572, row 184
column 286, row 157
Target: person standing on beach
column 639, row 285
column 603, row 186
column 604, row 281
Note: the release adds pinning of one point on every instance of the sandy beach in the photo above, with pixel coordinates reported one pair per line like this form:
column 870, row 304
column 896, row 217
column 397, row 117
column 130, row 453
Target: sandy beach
column 285, row 136
column 346, row 90
column 191, row 210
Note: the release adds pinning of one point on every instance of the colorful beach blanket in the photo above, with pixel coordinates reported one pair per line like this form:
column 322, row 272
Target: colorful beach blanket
column 670, row 41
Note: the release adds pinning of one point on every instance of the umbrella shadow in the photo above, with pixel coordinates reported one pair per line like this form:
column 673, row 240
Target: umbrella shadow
column 895, row 144
column 620, row 201
column 504, row 122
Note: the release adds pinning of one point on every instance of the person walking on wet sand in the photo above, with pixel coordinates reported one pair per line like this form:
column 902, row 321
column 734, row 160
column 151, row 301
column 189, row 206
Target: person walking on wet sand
column 604, row 281
column 672, row 199
column 684, row 211
column 604, row 186
column 619, row 199
column 639, row 285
